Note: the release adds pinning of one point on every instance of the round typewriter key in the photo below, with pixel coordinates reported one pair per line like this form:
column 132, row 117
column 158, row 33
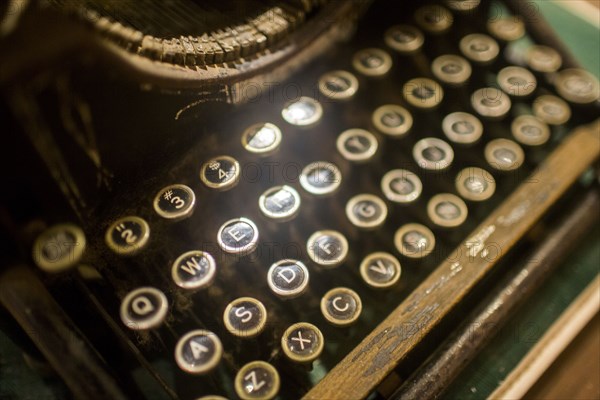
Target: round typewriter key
column 127, row 235
column 423, row 93
column 506, row 29
column 577, row 86
column 451, row 69
column 491, row 102
column 320, row 178
column 517, row 81
column 194, row 270
column 504, row 155
column 366, row 211
column 414, row 241
column 392, row 120
column 238, row 236
column 372, row 62
column 288, row 278
column 543, row 59
column 59, row 248
column 479, row 48
column 433, row 154
column 401, row 186
column 222, row 173
column 380, row 270
column 198, row 352
column 175, row 202
column 404, row 38
column 280, row 203
column 463, row 5
column 304, row 112
column 530, row 131
column 338, row 85
column 463, row 128
column 212, row 397
column 302, row 342
column 475, row 184
column 263, row 138
column 552, row 110
column 434, row 19
column 257, row 380
column 357, row 145
column 245, row 317
column 327, row 248
column 144, row 308
column 447, row 210
column 341, row 306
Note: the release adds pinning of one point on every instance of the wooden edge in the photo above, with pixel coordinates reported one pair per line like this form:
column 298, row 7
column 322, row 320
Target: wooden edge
column 379, row 353
column 570, row 323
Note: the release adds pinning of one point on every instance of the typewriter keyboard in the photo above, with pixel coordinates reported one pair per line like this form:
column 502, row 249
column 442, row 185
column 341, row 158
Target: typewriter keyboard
column 271, row 248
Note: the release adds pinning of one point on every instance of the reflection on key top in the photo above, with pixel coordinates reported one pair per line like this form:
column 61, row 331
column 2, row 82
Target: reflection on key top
column 372, row 62
column 357, row 145
column 59, row 248
column 245, row 317
column 338, row 85
column 366, row 211
column 404, row 38
column 380, row 270
column 401, row 186
column 303, row 112
column 552, row 110
column 530, row 130
column 127, row 235
column 280, row 203
column 433, row 154
column 423, row 93
column 504, row 155
column 175, row 202
column 475, row 184
column 288, row 278
column 320, row 178
column 193, row 270
column 414, row 240
column 447, row 210
column 451, row 69
column 463, row 128
column 144, row 308
column 491, row 102
column 302, row 342
column 327, row 248
column 198, row 352
column 434, row 19
column 341, row 306
column 221, row 173
column 263, row 138
column 392, row 120
column 257, row 380
column 238, row 236
column 479, row 48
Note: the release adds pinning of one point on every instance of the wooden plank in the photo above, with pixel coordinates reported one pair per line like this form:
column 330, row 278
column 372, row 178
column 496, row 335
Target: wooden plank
column 375, row 357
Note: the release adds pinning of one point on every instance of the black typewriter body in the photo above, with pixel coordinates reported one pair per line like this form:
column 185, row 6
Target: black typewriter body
column 153, row 192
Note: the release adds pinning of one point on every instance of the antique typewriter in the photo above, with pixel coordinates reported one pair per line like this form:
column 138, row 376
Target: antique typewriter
column 282, row 199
